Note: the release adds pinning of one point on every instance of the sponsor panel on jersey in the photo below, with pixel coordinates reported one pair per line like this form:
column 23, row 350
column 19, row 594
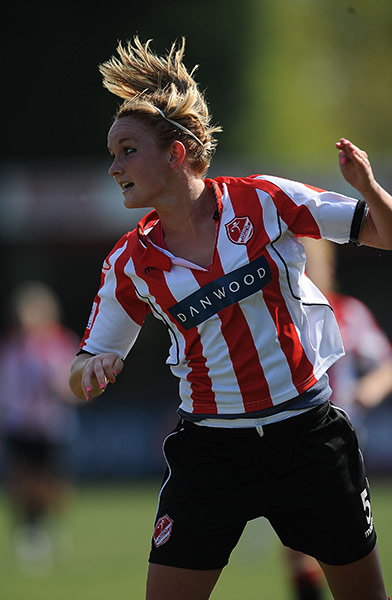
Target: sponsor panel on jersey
column 221, row 293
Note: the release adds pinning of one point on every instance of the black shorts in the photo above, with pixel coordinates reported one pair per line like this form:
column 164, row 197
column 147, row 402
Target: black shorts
column 305, row 475
column 36, row 455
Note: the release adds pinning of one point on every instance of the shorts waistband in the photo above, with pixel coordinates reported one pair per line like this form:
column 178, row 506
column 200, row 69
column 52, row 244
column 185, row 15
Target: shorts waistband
column 289, row 426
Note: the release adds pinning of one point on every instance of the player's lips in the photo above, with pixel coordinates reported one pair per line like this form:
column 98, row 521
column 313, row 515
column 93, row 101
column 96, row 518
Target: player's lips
column 125, row 185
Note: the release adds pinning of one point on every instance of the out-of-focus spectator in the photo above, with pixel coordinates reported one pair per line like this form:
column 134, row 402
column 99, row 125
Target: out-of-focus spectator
column 38, row 421
column 360, row 380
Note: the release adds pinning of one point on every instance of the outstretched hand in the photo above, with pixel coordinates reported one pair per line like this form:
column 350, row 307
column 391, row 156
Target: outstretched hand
column 355, row 166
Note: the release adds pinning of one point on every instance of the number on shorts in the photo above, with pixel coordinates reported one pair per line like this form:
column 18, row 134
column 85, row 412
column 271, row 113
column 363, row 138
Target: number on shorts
column 366, row 505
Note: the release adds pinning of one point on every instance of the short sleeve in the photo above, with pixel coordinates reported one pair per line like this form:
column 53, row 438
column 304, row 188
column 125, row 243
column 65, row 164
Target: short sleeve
column 117, row 313
column 313, row 212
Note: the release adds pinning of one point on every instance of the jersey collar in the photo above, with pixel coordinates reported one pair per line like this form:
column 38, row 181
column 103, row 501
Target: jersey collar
column 152, row 256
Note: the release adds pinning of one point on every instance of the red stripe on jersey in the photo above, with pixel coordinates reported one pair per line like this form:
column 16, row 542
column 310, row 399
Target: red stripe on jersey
column 313, row 187
column 301, row 368
column 298, row 218
column 203, row 397
column 125, row 291
column 242, row 350
column 202, row 394
column 97, row 299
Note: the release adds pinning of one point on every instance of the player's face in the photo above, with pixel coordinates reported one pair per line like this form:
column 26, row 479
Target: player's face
column 139, row 165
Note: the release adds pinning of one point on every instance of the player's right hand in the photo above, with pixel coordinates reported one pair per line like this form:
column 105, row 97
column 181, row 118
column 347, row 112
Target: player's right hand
column 98, row 371
column 355, row 166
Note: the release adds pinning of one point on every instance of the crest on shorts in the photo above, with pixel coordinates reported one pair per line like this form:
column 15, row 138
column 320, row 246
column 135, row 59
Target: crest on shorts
column 162, row 531
column 240, row 230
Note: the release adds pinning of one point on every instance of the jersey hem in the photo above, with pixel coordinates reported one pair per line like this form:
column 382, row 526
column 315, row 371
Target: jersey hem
column 289, row 403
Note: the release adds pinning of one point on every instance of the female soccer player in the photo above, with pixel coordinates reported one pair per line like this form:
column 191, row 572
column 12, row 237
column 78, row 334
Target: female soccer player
column 219, row 262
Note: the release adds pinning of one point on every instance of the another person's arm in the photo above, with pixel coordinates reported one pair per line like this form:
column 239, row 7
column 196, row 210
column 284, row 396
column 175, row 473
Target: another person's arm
column 375, row 386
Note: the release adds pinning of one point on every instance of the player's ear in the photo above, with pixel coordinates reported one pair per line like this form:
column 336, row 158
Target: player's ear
column 177, row 154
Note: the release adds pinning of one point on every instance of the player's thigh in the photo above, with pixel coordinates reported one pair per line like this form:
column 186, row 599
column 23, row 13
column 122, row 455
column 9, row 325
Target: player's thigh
column 173, row 583
column 361, row 579
column 325, row 511
column 198, row 521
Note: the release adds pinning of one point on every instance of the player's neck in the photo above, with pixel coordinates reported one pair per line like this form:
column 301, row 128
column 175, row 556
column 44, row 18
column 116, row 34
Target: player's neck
column 190, row 231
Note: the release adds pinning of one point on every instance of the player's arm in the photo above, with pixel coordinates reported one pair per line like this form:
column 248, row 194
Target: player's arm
column 356, row 169
column 375, row 386
column 90, row 373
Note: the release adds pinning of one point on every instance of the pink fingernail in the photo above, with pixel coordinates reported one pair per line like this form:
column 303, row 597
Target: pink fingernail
column 114, row 373
column 102, row 386
column 89, row 389
column 343, row 160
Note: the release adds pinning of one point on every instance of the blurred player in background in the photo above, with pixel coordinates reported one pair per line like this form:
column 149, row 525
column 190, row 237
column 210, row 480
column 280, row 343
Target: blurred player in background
column 38, row 421
column 219, row 262
column 360, row 380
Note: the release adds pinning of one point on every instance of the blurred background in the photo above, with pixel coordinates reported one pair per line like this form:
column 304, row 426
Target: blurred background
column 285, row 79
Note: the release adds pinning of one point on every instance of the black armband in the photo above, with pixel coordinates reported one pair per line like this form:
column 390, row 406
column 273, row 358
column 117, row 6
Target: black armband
column 359, row 217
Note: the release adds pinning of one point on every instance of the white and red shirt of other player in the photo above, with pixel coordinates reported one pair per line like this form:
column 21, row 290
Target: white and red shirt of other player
column 366, row 348
column 35, row 400
column 249, row 332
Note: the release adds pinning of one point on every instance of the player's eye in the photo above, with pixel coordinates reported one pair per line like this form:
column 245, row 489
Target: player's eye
column 128, row 150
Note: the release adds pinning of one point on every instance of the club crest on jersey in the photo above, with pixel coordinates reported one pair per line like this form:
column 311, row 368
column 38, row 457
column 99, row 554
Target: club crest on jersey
column 240, row 230
column 162, row 531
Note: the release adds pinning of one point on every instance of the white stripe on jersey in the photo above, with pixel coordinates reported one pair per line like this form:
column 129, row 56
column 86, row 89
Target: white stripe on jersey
column 276, row 369
column 112, row 329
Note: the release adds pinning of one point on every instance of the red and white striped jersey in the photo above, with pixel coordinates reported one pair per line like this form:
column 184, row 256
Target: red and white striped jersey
column 251, row 331
column 38, row 404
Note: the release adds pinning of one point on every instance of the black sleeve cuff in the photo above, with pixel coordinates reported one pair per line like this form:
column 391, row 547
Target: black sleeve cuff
column 359, row 216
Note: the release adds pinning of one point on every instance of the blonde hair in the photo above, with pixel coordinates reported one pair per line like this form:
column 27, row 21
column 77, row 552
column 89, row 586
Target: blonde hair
column 160, row 91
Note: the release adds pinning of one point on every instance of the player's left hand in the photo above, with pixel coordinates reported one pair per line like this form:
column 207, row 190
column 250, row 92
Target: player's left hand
column 355, row 166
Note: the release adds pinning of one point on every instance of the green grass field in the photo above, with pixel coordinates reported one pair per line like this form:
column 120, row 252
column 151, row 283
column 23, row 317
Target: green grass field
column 110, row 530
